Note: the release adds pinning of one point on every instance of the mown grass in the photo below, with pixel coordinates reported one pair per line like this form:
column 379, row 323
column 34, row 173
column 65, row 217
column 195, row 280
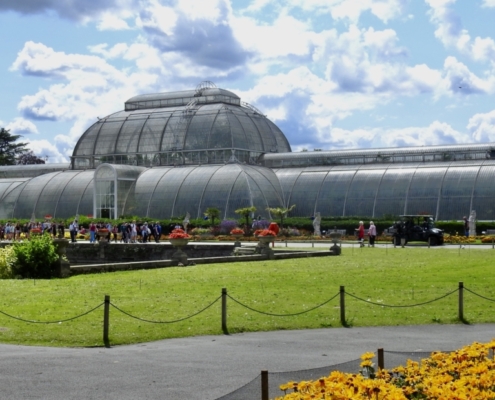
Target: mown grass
column 384, row 276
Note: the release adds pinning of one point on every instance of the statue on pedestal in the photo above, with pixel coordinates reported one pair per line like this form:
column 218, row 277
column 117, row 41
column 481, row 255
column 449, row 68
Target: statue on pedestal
column 316, row 224
column 185, row 222
column 472, row 223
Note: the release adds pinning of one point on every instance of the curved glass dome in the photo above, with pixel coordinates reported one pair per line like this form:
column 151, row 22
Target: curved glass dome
column 59, row 194
column 172, row 192
column 203, row 126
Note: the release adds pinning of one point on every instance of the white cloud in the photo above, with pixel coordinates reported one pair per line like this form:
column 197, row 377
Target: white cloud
column 285, row 36
column 21, row 126
column 201, row 37
column 451, row 33
column 46, row 150
column 488, row 3
column 435, row 134
column 90, row 87
column 112, row 22
column 352, row 9
column 37, row 59
column 482, row 127
column 461, row 80
column 106, row 13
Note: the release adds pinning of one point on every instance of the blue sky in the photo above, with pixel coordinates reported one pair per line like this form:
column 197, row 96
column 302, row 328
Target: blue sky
column 332, row 74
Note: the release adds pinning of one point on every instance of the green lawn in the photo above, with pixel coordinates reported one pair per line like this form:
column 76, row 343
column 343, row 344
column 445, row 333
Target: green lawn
column 385, row 276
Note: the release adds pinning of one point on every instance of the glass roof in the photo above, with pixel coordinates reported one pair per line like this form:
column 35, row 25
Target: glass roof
column 128, row 137
column 382, row 156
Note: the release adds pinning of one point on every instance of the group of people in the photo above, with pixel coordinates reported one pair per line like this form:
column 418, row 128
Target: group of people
column 371, row 234
column 133, row 232
column 130, row 232
column 15, row 231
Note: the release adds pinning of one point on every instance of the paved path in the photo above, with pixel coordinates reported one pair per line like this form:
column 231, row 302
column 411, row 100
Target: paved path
column 205, row 367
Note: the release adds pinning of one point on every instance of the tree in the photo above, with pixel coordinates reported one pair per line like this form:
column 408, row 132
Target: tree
column 212, row 213
column 9, row 149
column 281, row 212
column 246, row 213
column 28, row 158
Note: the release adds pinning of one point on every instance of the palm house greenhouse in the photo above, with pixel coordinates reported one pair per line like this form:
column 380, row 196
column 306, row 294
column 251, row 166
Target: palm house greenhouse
column 169, row 154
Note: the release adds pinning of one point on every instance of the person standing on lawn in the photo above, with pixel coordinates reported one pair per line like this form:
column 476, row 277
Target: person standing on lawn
column 360, row 234
column 371, row 234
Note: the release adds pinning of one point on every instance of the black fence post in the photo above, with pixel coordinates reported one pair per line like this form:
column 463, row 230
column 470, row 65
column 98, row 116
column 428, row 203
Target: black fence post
column 264, row 385
column 381, row 359
column 224, row 311
column 342, row 306
column 106, row 321
column 461, row 301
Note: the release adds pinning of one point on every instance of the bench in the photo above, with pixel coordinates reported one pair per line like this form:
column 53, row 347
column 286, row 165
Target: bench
column 248, row 250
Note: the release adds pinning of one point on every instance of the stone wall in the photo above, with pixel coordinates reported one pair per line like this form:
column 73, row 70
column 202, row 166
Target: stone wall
column 86, row 253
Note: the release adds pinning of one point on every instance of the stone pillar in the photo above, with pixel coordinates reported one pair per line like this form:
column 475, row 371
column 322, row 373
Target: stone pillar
column 63, row 268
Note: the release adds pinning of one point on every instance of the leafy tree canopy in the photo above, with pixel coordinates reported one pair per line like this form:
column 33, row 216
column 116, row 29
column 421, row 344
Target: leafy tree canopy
column 29, row 158
column 13, row 152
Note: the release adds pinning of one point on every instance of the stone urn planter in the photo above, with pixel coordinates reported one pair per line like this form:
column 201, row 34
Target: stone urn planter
column 179, row 257
column 237, row 237
column 179, row 242
column 104, row 234
column 336, row 238
column 266, row 239
column 264, row 246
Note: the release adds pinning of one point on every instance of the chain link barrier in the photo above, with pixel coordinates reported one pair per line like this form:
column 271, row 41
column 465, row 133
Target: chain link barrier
column 245, row 306
column 403, row 306
column 51, row 322
column 282, row 315
column 165, row 322
column 479, row 295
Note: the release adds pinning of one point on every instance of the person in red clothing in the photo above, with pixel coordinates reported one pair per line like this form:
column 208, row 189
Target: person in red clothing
column 274, row 227
column 360, row 234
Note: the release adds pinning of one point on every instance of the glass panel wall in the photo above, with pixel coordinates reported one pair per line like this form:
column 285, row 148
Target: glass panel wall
column 108, row 136
column 360, row 200
column 9, row 199
column 331, row 199
column 304, row 193
column 425, row 190
column 392, row 192
column 457, row 190
column 483, row 199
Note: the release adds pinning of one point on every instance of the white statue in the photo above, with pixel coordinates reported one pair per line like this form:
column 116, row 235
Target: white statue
column 472, row 223
column 186, row 221
column 316, row 224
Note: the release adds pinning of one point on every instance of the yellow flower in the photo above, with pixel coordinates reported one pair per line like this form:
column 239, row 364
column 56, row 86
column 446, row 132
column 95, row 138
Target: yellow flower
column 367, row 356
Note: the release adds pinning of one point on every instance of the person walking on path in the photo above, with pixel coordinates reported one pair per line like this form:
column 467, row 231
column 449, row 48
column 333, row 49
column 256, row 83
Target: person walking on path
column 466, row 226
column 360, row 234
column 371, row 234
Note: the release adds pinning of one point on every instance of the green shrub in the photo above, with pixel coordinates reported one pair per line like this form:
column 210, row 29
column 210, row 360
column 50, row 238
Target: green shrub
column 36, row 258
column 7, row 260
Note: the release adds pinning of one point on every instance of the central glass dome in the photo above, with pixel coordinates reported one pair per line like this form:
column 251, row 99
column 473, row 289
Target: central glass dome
column 208, row 125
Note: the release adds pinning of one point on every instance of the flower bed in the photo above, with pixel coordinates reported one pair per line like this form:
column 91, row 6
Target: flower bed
column 264, row 232
column 237, row 231
column 468, row 373
column 178, row 234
